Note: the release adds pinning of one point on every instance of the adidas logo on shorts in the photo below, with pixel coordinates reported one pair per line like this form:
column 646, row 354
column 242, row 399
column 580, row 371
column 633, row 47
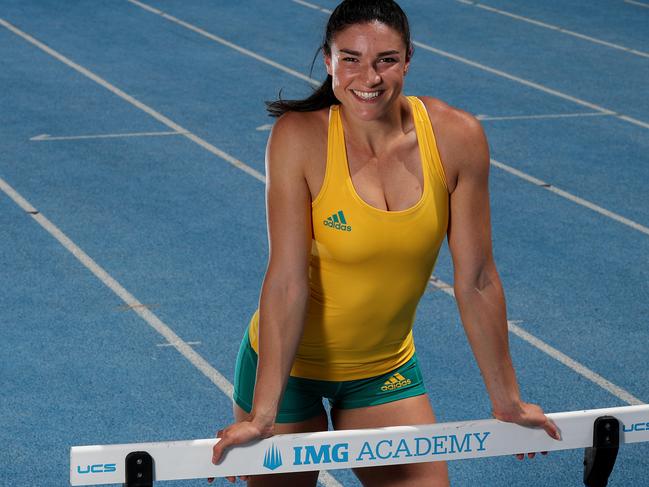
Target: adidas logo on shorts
column 397, row 381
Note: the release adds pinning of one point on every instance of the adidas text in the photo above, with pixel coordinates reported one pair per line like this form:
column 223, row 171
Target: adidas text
column 397, row 385
column 338, row 226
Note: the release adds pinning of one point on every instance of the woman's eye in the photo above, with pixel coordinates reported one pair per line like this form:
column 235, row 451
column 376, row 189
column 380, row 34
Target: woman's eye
column 349, row 59
column 388, row 60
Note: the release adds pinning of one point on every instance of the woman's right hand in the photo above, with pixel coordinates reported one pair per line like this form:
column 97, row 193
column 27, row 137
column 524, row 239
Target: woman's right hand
column 237, row 434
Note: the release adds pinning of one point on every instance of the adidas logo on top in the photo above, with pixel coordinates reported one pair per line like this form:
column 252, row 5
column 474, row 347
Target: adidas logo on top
column 338, row 221
column 395, row 382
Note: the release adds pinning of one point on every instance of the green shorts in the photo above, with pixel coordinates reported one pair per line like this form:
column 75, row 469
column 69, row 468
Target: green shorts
column 302, row 398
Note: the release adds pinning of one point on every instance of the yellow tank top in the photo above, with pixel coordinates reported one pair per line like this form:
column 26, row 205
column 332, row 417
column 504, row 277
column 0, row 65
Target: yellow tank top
column 369, row 267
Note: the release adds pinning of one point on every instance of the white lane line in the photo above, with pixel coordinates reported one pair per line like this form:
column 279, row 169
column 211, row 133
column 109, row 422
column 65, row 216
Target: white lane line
column 163, row 345
column 123, row 307
column 224, row 42
column 639, row 4
column 553, row 352
column 138, row 104
column 525, row 82
column 555, row 28
column 531, row 84
column 48, row 137
column 541, row 117
column 167, row 333
column 313, row 6
column 325, row 478
column 574, row 365
column 571, row 197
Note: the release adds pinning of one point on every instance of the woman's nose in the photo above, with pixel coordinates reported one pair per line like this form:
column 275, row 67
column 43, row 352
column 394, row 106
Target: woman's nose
column 371, row 75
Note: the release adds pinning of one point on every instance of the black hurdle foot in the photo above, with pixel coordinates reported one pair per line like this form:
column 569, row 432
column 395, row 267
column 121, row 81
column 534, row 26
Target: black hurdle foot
column 599, row 459
column 139, row 469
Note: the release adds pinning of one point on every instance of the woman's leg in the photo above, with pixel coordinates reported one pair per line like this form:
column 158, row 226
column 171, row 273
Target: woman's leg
column 411, row 410
column 301, row 479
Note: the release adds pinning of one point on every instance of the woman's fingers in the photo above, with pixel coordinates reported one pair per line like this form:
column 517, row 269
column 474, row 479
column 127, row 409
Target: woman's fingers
column 551, row 429
column 521, row 456
column 235, row 434
column 533, row 416
column 217, row 451
column 225, row 440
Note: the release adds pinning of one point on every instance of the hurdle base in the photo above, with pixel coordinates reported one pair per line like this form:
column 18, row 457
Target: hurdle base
column 599, row 459
column 139, row 469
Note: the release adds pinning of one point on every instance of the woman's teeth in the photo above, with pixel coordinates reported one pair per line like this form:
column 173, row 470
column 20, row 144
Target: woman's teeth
column 366, row 95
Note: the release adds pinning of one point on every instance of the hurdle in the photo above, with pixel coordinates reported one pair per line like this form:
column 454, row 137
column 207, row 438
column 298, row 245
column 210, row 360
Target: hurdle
column 599, row 431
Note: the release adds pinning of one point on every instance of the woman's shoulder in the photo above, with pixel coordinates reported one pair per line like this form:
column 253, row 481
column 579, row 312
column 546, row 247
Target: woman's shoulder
column 299, row 137
column 301, row 128
column 461, row 141
column 449, row 118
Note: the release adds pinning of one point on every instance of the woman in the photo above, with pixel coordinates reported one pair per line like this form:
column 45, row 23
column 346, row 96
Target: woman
column 360, row 194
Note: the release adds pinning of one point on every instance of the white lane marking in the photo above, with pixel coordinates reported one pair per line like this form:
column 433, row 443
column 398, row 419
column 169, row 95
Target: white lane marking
column 571, row 197
column 553, row 352
column 574, row 365
column 48, row 137
column 531, row 84
column 124, row 307
column 162, row 345
column 138, row 104
column 167, row 333
column 555, row 28
column 227, row 43
column 313, row 6
column 547, row 116
column 639, row 4
column 215, row 376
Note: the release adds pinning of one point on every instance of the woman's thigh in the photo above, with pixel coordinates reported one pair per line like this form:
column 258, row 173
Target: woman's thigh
column 302, row 479
column 412, row 410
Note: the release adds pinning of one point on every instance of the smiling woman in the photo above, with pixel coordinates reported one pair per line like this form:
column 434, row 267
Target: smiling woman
column 387, row 17
column 363, row 185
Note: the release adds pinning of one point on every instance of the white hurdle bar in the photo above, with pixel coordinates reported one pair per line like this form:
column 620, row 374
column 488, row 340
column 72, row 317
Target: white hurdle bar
column 327, row 450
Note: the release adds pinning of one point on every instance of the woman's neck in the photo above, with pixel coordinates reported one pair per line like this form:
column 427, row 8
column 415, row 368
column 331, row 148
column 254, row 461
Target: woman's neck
column 374, row 135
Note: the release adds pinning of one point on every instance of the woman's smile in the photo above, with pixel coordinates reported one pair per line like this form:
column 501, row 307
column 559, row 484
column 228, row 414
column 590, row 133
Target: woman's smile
column 367, row 96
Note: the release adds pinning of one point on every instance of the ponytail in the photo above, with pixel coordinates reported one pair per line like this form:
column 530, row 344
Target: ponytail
column 323, row 97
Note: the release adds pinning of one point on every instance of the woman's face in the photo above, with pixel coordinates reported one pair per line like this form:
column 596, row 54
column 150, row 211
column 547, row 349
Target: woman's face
column 368, row 64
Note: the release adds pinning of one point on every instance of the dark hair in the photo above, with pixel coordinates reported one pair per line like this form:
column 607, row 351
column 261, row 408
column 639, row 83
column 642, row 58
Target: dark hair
column 349, row 12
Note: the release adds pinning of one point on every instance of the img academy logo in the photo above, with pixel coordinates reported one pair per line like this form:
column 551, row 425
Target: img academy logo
column 273, row 458
column 338, row 222
column 367, row 452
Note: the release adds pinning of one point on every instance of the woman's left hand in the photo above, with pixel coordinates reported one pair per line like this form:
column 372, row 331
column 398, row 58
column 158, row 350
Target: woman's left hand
column 530, row 415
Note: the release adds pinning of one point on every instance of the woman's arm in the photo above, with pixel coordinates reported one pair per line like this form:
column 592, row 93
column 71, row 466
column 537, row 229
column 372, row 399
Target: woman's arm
column 284, row 294
column 477, row 286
